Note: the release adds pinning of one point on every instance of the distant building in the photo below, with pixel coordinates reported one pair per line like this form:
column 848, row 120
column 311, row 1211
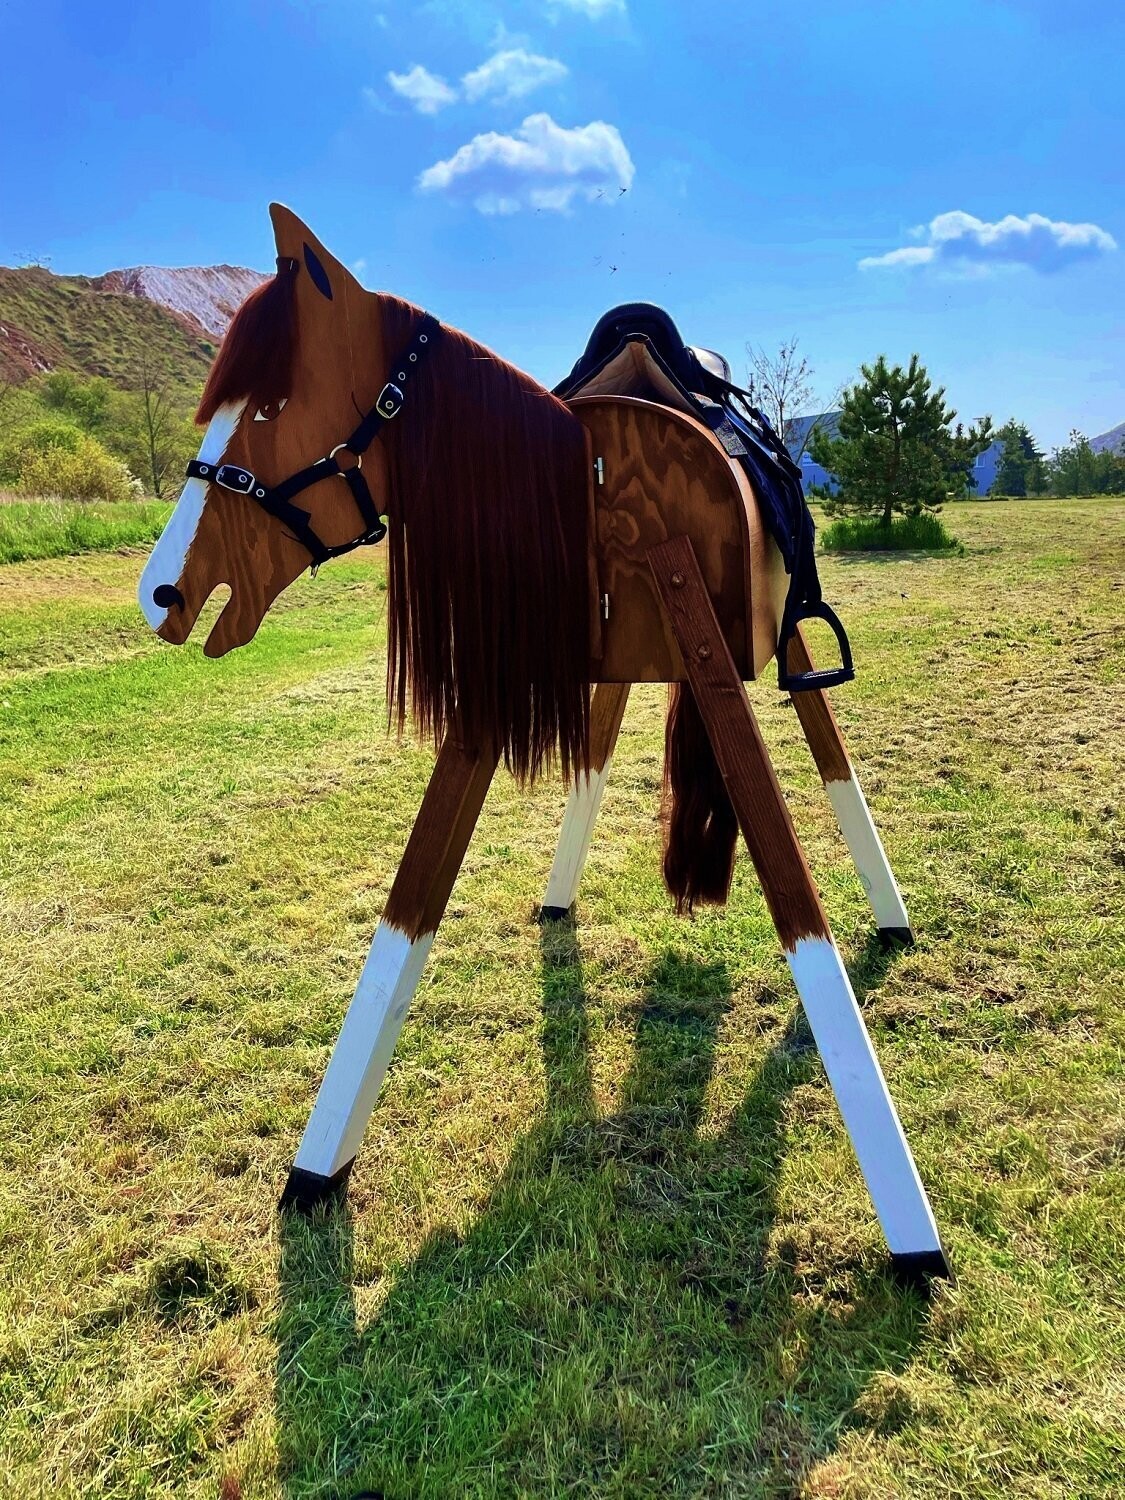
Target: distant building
column 798, row 439
column 985, row 466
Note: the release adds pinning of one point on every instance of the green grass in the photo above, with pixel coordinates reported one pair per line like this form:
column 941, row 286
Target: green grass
column 606, row 1235
column 921, row 533
column 32, row 529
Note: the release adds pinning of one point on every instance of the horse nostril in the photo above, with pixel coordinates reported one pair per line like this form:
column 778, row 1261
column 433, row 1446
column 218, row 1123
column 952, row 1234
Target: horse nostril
column 166, row 594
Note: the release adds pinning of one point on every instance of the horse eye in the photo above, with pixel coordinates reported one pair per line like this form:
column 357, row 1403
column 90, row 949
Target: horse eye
column 271, row 410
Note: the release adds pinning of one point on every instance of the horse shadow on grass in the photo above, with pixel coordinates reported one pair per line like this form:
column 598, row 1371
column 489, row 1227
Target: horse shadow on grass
column 624, row 1318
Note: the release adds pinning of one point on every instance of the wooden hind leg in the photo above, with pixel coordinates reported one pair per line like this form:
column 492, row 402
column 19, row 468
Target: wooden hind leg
column 848, row 802
column 606, row 712
column 814, row 960
column 390, row 976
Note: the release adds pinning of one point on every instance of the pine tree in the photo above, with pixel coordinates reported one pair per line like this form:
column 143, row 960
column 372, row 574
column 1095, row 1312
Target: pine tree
column 897, row 451
column 1020, row 470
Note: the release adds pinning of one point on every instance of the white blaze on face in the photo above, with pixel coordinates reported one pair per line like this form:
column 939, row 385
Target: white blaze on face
column 169, row 556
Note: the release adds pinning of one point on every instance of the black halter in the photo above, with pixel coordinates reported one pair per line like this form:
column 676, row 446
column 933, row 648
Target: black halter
column 277, row 501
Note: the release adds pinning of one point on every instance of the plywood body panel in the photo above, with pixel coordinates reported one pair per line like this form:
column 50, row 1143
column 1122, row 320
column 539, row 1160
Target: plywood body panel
column 663, row 474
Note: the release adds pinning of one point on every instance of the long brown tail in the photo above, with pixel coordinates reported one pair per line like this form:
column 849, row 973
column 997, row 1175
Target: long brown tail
column 700, row 828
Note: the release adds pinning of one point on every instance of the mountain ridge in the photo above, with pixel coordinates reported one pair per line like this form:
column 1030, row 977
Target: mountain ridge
column 170, row 319
column 205, row 297
column 1112, row 441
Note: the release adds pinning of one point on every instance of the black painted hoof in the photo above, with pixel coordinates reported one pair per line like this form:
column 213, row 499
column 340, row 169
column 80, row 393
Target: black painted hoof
column 917, row 1268
column 553, row 914
column 895, row 937
column 306, row 1191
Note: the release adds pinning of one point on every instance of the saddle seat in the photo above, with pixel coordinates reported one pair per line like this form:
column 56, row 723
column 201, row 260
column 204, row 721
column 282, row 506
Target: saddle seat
column 638, row 345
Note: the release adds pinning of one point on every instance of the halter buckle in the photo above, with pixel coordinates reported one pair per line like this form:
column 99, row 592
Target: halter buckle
column 390, row 401
column 235, row 477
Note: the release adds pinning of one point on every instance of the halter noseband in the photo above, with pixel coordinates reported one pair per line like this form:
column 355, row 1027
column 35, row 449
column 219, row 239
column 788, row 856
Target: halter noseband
column 277, row 500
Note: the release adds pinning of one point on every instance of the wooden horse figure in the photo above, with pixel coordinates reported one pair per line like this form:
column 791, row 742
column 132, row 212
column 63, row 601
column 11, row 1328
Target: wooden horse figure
column 536, row 546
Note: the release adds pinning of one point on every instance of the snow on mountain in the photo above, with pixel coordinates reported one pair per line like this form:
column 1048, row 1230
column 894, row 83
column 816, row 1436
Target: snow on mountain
column 204, row 297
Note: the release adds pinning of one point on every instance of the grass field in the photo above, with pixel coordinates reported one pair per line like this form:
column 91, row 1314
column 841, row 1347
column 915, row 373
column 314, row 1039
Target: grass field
column 35, row 529
column 606, row 1237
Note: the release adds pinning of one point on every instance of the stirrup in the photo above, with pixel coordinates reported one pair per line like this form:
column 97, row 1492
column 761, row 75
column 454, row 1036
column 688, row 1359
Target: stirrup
column 827, row 677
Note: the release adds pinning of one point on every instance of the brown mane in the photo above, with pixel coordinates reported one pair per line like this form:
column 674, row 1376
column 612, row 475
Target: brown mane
column 488, row 594
column 255, row 361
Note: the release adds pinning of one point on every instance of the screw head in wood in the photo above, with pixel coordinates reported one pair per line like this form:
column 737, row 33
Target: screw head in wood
column 703, row 652
column 677, row 580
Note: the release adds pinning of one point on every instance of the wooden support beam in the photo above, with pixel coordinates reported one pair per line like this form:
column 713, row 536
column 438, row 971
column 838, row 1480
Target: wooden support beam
column 814, row 960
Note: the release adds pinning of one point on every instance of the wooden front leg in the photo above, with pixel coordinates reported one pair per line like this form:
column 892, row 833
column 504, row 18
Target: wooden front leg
column 814, row 960
column 402, row 942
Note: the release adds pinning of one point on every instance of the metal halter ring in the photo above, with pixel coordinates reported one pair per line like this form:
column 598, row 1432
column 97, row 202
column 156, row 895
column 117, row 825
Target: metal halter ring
column 358, row 458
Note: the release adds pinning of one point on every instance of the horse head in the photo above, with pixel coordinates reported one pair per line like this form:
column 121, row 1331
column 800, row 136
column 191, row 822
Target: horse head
column 301, row 362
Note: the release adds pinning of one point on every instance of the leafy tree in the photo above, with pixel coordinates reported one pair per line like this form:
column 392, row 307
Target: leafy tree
column 897, row 451
column 146, row 427
column 158, row 437
column 85, row 400
column 1075, row 469
column 1020, row 470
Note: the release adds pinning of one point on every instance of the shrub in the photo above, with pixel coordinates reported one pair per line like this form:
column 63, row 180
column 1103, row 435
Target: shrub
column 920, row 533
column 81, row 470
column 37, row 437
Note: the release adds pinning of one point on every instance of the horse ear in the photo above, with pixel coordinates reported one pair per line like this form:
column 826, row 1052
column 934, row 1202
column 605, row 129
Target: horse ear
column 323, row 279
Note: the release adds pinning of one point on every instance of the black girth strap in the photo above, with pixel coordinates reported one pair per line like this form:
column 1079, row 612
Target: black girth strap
column 277, row 500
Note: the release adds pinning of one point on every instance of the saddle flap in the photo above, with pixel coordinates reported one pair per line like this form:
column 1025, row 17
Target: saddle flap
column 664, row 474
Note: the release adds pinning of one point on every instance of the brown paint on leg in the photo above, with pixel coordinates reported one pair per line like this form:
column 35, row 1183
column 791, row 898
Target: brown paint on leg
column 817, row 719
column 439, row 838
column 607, row 709
column 739, row 748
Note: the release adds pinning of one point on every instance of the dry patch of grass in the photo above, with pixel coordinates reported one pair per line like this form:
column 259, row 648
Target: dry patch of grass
column 606, row 1236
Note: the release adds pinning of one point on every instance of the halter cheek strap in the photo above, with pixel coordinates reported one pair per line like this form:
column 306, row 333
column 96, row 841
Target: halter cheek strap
column 277, row 500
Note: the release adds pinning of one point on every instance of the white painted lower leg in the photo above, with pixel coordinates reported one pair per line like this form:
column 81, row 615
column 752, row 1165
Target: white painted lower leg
column 574, row 840
column 861, row 1092
column 363, row 1051
column 862, row 839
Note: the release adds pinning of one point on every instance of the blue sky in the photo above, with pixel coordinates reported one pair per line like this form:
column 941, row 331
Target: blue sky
column 969, row 151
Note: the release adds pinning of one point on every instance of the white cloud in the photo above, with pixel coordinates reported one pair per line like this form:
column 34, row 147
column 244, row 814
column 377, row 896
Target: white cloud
column 425, row 90
column 512, row 74
column 359, row 266
column 541, row 165
column 970, row 244
column 595, row 9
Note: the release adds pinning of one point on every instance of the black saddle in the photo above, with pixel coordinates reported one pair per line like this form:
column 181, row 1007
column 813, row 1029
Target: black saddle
column 699, row 380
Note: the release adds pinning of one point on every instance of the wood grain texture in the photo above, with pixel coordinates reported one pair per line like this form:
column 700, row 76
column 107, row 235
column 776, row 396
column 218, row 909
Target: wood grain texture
column 439, row 838
column 666, row 475
column 817, row 719
column 607, row 709
column 338, row 365
column 592, row 582
column 787, row 884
